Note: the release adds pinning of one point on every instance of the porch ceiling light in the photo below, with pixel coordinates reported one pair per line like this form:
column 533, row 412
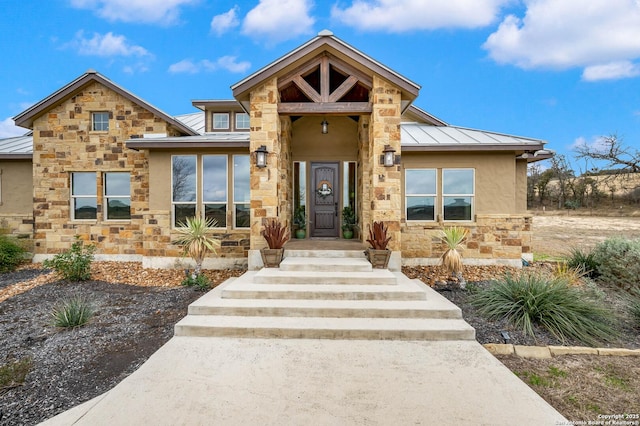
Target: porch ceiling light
column 261, row 156
column 325, row 126
column 389, row 156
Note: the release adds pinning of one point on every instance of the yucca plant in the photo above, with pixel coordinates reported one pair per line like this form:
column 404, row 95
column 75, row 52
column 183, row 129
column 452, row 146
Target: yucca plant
column 195, row 241
column 532, row 298
column 73, row 312
column 276, row 234
column 451, row 259
column 573, row 275
column 583, row 259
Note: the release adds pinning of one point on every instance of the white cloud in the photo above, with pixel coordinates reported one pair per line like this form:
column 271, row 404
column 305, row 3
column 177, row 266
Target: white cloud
column 611, row 71
column 8, row 129
column 106, row 45
column 601, row 35
column 164, row 12
column 228, row 63
column 222, row 23
column 278, row 20
column 396, row 16
column 596, row 143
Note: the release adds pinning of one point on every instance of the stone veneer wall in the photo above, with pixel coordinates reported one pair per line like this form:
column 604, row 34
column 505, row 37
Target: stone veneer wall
column 493, row 239
column 64, row 143
column 285, row 168
column 364, row 176
column 385, row 191
column 16, row 224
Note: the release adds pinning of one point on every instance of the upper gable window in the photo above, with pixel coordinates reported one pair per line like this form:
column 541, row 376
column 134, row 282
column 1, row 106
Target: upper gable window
column 221, row 121
column 242, row 120
column 100, row 121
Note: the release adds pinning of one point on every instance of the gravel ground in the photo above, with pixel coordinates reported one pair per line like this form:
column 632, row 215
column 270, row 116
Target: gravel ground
column 132, row 322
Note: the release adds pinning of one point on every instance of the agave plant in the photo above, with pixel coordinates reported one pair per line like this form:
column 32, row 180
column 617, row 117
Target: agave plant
column 378, row 236
column 451, row 259
column 276, row 234
column 194, row 240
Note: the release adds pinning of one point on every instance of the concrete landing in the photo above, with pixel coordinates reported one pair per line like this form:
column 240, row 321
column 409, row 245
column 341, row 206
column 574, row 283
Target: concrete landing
column 230, row 381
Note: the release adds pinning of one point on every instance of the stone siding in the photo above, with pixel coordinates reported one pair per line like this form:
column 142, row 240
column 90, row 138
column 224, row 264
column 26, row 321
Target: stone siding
column 16, row 224
column 492, row 239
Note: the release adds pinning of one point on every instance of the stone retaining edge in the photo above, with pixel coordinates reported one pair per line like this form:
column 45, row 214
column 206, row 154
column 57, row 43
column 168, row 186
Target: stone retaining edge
column 551, row 351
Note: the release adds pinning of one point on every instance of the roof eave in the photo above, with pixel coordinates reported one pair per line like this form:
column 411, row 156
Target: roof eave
column 469, row 147
column 21, row 156
column 154, row 144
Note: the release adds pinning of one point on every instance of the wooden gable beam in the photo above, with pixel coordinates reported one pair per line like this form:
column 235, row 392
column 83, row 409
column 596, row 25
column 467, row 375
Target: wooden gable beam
column 343, row 89
column 324, row 79
column 335, row 108
column 300, row 71
column 306, row 88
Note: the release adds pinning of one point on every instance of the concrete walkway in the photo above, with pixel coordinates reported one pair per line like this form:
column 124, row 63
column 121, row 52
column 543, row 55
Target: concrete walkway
column 234, row 381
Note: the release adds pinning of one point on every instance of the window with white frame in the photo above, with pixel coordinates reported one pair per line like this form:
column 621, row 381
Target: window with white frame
column 183, row 187
column 242, row 120
column 100, row 121
column 84, row 200
column 214, row 188
column 420, row 194
column 117, row 196
column 241, row 191
column 458, row 193
column 221, row 121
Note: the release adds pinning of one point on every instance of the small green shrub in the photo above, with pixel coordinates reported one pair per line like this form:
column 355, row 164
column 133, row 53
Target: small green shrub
column 73, row 312
column 75, row 263
column 11, row 254
column 565, row 311
column 14, row 373
column 583, row 260
column 200, row 282
column 618, row 262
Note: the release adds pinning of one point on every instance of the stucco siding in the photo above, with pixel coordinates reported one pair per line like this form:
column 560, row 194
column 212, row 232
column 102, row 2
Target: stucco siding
column 16, row 190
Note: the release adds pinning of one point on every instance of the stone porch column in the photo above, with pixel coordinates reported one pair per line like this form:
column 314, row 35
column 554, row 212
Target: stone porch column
column 385, row 191
column 265, row 130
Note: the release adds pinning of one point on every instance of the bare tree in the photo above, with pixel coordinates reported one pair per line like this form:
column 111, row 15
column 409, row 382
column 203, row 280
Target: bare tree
column 565, row 176
column 613, row 152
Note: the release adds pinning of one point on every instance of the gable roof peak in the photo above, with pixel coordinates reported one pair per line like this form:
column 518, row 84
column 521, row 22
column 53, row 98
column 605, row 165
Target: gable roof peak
column 325, row 33
column 91, row 71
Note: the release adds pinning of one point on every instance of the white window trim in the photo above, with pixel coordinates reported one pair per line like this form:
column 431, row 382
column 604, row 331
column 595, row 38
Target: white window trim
column 105, row 197
column 435, row 195
column 239, row 114
column 472, row 196
column 73, row 198
column 174, row 203
column 226, row 203
column 213, row 121
column 93, row 122
column 233, row 181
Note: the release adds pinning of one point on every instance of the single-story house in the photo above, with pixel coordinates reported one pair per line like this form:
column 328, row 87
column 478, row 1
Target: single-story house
column 324, row 127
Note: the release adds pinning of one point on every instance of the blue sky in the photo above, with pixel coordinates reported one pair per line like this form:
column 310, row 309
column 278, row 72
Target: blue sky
column 567, row 71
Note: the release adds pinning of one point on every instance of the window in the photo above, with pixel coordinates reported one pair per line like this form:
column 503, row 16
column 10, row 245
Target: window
column 420, row 194
column 117, row 196
column 84, row 201
column 214, row 188
column 242, row 120
column 349, row 184
column 183, row 189
column 241, row 191
column 220, row 121
column 100, row 121
column 458, row 193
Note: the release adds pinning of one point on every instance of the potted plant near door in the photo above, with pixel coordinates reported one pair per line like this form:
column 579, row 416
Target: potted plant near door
column 378, row 254
column 276, row 235
column 300, row 221
column 348, row 222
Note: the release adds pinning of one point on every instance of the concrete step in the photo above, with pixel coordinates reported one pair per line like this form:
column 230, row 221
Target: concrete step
column 323, row 292
column 325, row 328
column 278, row 276
column 323, row 264
column 317, row 254
column 433, row 307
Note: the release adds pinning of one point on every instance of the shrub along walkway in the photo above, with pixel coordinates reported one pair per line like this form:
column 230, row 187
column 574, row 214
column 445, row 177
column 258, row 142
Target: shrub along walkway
column 236, row 380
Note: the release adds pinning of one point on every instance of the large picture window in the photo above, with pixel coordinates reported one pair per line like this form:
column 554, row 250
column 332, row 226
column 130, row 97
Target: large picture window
column 84, row 200
column 214, row 188
column 241, row 191
column 117, row 196
column 420, row 194
column 184, row 187
column 458, row 190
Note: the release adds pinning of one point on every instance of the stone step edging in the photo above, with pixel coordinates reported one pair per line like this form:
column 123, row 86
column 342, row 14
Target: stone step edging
column 550, row 351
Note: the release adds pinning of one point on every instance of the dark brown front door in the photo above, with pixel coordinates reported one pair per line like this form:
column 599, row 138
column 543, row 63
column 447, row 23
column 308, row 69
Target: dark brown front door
column 325, row 187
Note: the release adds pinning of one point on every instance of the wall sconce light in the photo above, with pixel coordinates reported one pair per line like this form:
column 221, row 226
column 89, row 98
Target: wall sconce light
column 261, row 156
column 389, row 156
column 325, row 126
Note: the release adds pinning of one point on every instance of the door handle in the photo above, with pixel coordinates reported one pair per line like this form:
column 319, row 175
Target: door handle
column 336, row 210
